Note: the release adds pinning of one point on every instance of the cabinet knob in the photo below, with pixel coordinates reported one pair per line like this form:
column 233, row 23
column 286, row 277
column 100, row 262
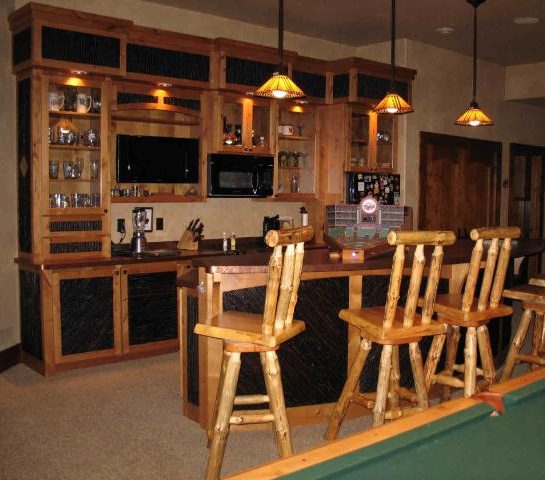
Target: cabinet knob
column 125, row 272
column 105, row 210
column 116, row 273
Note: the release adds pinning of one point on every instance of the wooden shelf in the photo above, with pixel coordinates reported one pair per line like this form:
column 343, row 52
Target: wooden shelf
column 71, row 211
column 289, row 197
column 74, row 180
column 167, row 198
column 157, row 121
column 58, row 146
column 296, row 168
column 63, row 114
column 360, row 141
column 296, row 138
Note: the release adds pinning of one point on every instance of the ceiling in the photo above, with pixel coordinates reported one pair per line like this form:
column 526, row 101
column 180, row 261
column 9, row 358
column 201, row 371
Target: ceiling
column 364, row 22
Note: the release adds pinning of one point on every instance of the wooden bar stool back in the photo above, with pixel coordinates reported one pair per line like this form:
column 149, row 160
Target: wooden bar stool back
column 473, row 313
column 247, row 333
column 532, row 297
column 391, row 326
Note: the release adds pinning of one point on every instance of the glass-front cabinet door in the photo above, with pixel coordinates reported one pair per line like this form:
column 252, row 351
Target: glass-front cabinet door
column 297, row 152
column 245, row 125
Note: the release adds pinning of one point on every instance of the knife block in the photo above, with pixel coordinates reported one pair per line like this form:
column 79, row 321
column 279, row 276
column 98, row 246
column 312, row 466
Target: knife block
column 186, row 241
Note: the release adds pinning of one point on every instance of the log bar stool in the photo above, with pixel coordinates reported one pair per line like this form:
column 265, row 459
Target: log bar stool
column 462, row 310
column 533, row 305
column 391, row 326
column 247, row 333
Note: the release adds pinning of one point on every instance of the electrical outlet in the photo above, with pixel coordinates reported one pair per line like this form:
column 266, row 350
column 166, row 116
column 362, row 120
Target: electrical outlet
column 121, row 225
column 159, row 225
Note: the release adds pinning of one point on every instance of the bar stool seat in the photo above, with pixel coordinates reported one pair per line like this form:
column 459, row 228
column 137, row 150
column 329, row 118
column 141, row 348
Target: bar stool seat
column 532, row 297
column 449, row 308
column 372, row 321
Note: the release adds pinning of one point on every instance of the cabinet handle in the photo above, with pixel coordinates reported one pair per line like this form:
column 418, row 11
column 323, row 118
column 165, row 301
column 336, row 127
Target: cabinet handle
column 105, row 210
column 125, row 272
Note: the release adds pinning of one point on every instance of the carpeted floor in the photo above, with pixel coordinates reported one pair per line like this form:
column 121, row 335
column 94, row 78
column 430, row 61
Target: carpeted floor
column 120, row 421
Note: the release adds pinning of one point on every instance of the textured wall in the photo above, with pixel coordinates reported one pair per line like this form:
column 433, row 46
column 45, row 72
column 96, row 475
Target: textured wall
column 9, row 280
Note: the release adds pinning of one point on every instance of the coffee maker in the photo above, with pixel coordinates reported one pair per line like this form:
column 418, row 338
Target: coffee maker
column 270, row 223
column 138, row 240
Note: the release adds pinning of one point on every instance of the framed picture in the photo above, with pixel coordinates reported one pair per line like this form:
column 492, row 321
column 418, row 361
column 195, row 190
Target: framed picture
column 286, row 222
column 148, row 226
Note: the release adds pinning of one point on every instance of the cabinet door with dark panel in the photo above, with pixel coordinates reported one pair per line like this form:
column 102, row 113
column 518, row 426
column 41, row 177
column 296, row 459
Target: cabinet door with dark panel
column 86, row 314
column 149, row 307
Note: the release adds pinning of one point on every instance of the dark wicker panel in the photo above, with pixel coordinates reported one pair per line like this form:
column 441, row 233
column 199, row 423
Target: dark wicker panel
column 341, row 85
column 80, row 47
column 192, row 348
column 376, row 87
column 152, row 307
column 313, row 363
column 167, row 63
column 313, row 84
column 24, row 164
column 183, row 102
column 123, row 97
column 22, row 46
column 75, row 226
column 75, row 247
column 87, row 323
column 30, row 311
column 248, row 72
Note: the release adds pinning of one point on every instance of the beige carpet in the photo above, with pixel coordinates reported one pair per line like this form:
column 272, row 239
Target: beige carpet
column 120, row 421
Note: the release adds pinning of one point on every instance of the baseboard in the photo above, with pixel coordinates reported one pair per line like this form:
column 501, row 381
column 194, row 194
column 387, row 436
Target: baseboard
column 10, row 357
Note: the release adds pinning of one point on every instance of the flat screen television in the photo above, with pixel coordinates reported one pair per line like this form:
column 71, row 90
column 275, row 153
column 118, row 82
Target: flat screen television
column 148, row 159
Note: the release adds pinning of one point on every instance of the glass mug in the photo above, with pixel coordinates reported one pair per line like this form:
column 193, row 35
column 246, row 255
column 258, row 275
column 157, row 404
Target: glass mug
column 56, row 101
column 53, row 169
column 83, row 103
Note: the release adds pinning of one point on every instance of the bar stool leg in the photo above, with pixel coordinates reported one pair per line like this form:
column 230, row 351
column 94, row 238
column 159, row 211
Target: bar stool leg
column 225, row 409
column 382, row 385
column 537, row 339
column 418, row 375
column 487, row 359
column 434, row 355
column 470, row 362
column 516, row 345
column 350, row 387
column 273, row 382
column 212, row 423
column 393, row 391
column 453, row 339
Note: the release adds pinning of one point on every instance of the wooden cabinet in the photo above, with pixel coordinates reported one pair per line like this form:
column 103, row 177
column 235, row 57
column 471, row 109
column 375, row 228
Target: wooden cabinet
column 371, row 140
column 98, row 314
column 71, row 205
column 297, row 154
column 243, row 124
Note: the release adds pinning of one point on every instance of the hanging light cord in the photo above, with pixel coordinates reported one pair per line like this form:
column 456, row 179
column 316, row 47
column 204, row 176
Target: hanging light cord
column 475, row 53
column 281, row 33
column 393, row 49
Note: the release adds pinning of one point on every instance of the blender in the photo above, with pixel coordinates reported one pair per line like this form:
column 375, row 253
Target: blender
column 138, row 241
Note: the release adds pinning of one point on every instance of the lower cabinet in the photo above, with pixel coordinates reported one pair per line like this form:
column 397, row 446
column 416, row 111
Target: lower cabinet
column 75, row 317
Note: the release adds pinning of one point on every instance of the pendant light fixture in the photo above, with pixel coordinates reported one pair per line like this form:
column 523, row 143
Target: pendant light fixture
column 280, row 85
column 393, row 103
column 474, row 116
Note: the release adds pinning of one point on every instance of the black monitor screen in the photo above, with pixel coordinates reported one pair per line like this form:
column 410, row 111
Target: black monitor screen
column 149, row 159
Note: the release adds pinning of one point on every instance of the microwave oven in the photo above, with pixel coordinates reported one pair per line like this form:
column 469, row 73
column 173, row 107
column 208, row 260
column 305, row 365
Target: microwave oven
column 232, row 175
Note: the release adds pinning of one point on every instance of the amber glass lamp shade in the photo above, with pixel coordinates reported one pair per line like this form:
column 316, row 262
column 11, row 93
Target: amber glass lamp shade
column 474, row 117
column 279, row 86
column 394, row 104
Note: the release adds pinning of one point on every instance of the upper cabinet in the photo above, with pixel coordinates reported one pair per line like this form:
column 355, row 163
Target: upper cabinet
column 297, row 163
column 241, row 124
column 371, row 140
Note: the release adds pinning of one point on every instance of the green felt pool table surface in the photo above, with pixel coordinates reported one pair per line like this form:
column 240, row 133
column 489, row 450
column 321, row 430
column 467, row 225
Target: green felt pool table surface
column 463, row 438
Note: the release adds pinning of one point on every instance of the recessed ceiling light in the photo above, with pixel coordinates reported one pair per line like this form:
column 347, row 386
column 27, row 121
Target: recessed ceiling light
column 164, row 84
column 525, row 20
column 445, row 30
column 78, row 72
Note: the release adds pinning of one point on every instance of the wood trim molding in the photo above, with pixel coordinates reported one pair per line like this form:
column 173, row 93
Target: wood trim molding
column 10, row 357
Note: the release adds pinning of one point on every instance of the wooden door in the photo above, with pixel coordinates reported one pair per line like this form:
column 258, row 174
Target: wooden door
column 459, row 183
column 526, row 179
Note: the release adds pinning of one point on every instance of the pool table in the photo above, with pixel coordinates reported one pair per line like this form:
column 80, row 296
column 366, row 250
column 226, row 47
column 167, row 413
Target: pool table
column 462, row 438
